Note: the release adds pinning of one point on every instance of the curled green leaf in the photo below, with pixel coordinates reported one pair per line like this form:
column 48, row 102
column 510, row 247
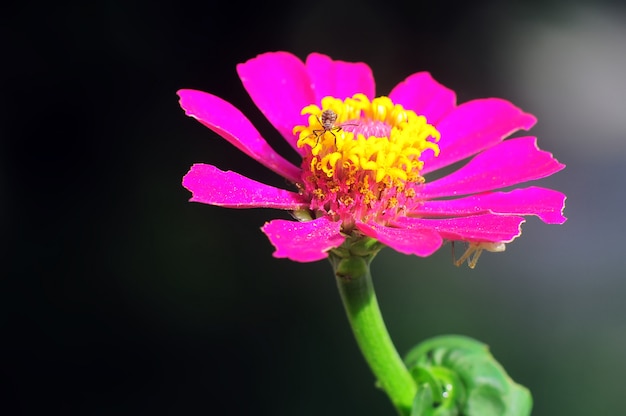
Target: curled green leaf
column 457, row 375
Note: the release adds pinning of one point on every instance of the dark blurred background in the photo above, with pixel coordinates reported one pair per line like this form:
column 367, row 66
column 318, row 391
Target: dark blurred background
column 120, row 297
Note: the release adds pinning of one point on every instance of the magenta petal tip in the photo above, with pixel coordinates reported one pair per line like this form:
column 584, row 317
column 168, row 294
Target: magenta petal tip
column 304, row 241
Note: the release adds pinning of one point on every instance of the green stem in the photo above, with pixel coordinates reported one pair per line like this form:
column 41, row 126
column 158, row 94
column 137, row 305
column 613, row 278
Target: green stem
column 354, row 281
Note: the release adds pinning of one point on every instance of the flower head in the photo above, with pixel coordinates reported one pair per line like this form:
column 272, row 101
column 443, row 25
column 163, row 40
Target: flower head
column 365, row 161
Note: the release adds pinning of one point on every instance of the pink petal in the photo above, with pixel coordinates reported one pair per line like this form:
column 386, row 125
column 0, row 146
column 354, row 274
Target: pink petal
column 304, row 241
column 474, row 126
column 475, row 228
column 509, row 163
column 230, row 123
column 279, row 85
column 339, row 79
column 422, row 94
column 210, row 185
column 547, row 204
column 421, row 242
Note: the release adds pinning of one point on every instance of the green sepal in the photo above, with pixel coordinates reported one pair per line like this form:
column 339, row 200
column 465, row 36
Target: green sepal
column 457, row 375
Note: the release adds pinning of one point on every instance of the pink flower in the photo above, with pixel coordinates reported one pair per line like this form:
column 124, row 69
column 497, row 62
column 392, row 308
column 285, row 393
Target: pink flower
column 365, row 160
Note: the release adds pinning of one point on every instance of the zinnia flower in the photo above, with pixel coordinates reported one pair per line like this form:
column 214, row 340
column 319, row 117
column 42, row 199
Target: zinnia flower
column 365, row 160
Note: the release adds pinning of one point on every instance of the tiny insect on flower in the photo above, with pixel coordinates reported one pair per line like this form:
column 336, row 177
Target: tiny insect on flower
column 473, row 252
column 327, row 121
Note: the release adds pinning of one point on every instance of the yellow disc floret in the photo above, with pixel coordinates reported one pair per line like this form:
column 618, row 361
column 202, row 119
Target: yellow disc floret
column 364, row 156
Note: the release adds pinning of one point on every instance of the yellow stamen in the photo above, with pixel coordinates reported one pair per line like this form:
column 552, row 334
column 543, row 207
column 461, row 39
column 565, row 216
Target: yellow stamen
column 363, row 151
column 395, row 155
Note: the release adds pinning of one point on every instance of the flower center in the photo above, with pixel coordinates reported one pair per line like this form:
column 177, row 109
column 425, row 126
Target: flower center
column 364, row 160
